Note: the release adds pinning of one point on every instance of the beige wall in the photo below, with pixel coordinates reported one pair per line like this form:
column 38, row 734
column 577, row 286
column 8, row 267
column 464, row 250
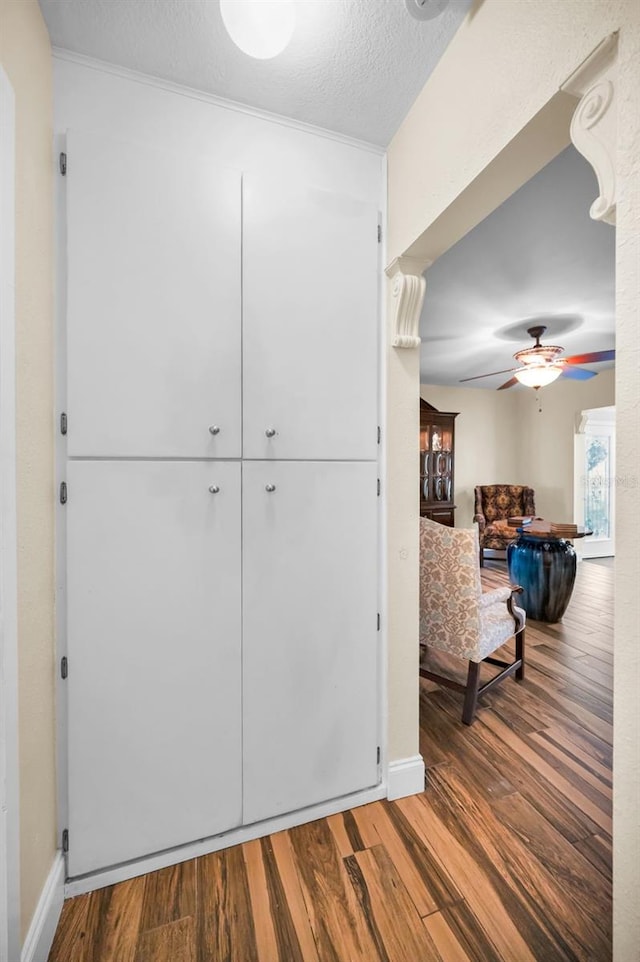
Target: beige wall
column 25, row 54
column 506, row 62
column 547, row 439
column 499, row 77
column 509, row 437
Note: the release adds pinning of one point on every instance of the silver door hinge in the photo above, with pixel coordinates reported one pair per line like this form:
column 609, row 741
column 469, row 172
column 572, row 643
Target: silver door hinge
column 63, row 423
column 64, row 667
column 378, row 487
column 379, row 434
column 378, row 755
column 65, row 841
column 379, row 233
column 378, row 621
column 63, row 493
column 63, row 164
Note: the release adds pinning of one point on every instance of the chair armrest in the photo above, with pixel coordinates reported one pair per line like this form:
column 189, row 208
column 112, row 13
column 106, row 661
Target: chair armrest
column 513, row 590
column 494, row 597
column 517, row 614
column 500, row 596
column 480, row 520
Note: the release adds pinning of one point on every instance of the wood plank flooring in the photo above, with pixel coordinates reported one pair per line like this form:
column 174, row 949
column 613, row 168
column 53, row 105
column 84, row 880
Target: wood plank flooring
column 506, row 857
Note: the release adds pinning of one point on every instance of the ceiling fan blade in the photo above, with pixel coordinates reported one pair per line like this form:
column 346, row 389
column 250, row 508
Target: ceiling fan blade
column 509, row 383
column 493, row 374
column 590, row 358
column 578, row 373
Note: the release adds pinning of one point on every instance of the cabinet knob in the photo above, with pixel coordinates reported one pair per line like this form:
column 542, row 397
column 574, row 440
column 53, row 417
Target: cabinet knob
column 214, row 429
column 214, row 488
column 270, row 488
column 270, row 432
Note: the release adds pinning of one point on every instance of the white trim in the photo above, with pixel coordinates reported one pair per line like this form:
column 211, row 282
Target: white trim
column 592, row 67
column 46, row 916
column 119, row 873
column 405, row 777
column 9, row 786
column 383, row 645
column 60, row 53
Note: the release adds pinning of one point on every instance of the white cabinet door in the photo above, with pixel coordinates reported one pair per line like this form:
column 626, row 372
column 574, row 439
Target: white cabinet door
column 153, row 294
column 310, row 688
column 154, row 685
column 310, row 322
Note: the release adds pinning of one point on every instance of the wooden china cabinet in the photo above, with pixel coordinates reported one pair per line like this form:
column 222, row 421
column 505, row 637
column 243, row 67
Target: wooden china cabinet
column 437, row 453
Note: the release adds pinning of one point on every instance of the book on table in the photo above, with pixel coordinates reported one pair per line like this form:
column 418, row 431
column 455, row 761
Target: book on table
column 520, row 521
column 562, row 529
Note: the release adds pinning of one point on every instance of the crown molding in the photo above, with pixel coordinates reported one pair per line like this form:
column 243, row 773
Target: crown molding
column 408, row 288
column 125, row 73
column 592, row 67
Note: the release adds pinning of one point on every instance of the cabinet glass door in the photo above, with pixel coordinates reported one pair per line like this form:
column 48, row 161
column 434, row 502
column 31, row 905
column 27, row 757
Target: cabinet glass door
column 441, row 475
column 436, row 463
column 426, row 467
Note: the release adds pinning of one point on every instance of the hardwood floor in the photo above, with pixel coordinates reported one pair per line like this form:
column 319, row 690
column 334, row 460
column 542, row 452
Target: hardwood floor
column 506, row 856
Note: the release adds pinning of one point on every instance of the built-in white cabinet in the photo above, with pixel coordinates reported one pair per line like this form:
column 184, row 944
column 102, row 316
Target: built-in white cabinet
column 310, row 302
column 154, row 649
column 309, row 619
column 153, row 302
column 222, row 493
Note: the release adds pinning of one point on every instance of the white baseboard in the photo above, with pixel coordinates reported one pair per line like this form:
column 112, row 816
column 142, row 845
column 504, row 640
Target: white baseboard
column 46, row 916
column 405, row 777
column 151, row 863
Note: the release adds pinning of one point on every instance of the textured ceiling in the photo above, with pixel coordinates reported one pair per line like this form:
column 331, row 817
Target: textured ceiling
column 353, row 66
column 539, row 258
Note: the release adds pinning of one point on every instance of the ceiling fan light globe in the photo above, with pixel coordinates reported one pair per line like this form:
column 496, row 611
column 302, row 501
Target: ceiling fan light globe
column 539, row 375
column 260, row 28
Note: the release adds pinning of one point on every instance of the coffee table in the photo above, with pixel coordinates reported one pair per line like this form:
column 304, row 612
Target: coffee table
column 543, row 562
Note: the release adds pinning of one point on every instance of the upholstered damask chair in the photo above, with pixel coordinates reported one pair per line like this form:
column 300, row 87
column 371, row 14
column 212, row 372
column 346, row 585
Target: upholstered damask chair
column 494, row 504
column 456, row 617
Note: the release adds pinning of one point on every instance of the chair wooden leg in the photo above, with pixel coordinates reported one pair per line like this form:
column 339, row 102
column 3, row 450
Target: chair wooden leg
column 481, row 556
column 520, row 655
column 471, row 694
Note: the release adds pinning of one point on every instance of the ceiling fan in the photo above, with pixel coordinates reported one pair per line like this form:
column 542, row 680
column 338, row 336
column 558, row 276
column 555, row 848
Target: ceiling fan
column 541, row 364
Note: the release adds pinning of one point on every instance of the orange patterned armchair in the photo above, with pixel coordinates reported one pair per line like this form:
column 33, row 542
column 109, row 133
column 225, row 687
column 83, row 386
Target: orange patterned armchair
column 494, row 504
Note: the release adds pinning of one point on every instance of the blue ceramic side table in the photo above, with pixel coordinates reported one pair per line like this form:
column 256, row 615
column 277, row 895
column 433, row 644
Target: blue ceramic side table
column 545, row 567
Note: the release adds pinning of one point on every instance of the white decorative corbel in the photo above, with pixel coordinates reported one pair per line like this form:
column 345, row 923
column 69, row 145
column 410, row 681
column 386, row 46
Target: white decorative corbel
column 581, row 421
column 593, row 126
column 408, row 295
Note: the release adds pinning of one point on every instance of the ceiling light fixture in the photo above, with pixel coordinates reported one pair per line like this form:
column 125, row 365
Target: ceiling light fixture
column 425, row 9
column 539, row 375
column 540, row 364
column 260, row 28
